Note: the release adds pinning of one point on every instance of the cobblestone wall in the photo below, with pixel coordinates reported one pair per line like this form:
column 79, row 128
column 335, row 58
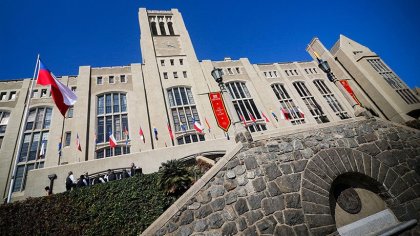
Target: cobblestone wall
column 281, row 186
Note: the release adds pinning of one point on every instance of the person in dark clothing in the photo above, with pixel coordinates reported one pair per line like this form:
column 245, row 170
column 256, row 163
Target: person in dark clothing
column 125, row 174
column 110, row 176
column 70, row 181
column 133, row 169
column 81, row 182
column 88, row 180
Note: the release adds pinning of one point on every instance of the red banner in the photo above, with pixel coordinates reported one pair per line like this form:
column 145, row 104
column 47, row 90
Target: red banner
column 346, row 85
column 219, row 110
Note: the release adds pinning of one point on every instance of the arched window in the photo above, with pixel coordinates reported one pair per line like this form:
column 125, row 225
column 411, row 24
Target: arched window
column 331, row 100
column 245, row 106
column 162, row 28
column 34, row 138
column 112, row 118
column 154, row 29
column 310, row 102
column 286, row 102
column 171, row 28
column 183, row 110
column 4, row 120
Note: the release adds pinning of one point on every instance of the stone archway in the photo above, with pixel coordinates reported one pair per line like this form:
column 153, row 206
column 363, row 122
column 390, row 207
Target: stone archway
column 327, row 166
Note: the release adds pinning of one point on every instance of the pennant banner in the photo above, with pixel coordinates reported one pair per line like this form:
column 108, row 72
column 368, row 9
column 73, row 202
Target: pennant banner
column 346, row 85
column 219, row 111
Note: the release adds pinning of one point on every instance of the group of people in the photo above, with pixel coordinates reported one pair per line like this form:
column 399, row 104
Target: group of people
column 85, row 180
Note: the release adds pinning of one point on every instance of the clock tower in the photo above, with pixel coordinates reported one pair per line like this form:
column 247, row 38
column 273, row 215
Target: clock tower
column 171, row 70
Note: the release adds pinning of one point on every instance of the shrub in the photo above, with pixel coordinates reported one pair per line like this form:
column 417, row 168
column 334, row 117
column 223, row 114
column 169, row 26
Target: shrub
column 123, row 207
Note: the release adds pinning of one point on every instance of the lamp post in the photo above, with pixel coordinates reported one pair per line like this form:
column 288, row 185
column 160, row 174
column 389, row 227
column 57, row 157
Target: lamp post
column 241, row 134
column 358, row 110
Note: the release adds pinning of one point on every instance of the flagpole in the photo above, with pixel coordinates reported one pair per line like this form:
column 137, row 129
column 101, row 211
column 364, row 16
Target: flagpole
column 25, row 114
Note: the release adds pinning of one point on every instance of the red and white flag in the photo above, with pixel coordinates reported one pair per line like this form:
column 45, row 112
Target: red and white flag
column 61, row 94
column 170, row 132
column 242, row 119
column 302, row 115
column 112, row 141
column 78, row 146
column 207, row 123
column 142, row 135
column 197, row 126
column 284, row 114
column 265, row 117
column 252, row 118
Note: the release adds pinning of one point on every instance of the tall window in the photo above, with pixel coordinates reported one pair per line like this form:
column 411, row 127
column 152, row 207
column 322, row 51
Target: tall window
column 183, row 110
column 171, row 28
column 331, row 100
column 393, row 81
column 287, row 103
column 310, row 102
column 154, row 29
column 162, row 28
column 112, row 117
column 245, row 106
column 4, row 120
column 36, row 133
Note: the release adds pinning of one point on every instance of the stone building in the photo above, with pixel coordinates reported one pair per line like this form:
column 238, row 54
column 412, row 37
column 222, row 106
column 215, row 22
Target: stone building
column 170, row 88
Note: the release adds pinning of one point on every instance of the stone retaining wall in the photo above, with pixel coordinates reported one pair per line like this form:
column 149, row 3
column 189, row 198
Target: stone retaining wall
column 282, row 185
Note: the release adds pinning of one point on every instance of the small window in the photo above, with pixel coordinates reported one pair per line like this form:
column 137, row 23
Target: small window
column 165, row 75
column 275, row 73
column 286, row 73
column 176, row 75
column 34, row 93
column 265, row 73
column 111, row 79
column 70, row 112
column 181, row 62
column 310, row 70
column 99, row 80
column 185, row 74
column 306, row 70
column 291, row 72
column 172, row 62
column 162, row 62
column 3, row 96
column 237, row 70
column 73, row 88
column 12, row 95
column 315, row 70
column 296, row 72
column 271, row 75
column 43, row 93
column 67, row 139
column 122, row 78
column 230, row 71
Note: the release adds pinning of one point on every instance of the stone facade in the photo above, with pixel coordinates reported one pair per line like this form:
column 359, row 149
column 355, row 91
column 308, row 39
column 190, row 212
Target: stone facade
column 171, row 87
column 282, row 185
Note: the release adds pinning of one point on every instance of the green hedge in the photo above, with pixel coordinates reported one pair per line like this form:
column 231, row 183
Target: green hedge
column 123, row 207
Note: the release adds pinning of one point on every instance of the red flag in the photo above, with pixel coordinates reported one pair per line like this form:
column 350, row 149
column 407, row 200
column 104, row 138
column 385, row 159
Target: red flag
column 62, row 95
column 170, row 132
column 265, row 117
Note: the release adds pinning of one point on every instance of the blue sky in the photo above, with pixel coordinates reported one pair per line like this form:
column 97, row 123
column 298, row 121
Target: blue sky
column 69, row 34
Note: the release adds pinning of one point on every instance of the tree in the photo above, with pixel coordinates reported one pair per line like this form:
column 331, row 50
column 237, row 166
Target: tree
column 174, row 177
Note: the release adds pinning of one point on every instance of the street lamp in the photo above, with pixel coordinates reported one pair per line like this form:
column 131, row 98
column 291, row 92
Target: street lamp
column 358, row 110
column 241, row 134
